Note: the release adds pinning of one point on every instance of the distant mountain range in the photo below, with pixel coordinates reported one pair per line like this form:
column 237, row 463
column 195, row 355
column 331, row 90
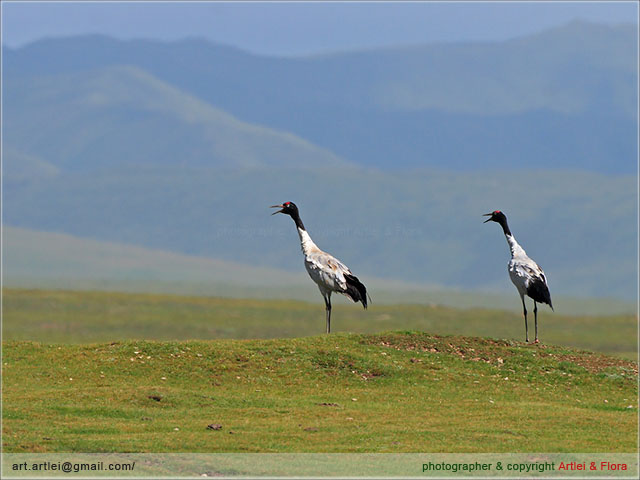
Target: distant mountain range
column 391, row 154
column 566, row 97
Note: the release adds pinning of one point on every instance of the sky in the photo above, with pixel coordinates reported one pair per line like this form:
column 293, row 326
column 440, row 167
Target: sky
column 301, row 28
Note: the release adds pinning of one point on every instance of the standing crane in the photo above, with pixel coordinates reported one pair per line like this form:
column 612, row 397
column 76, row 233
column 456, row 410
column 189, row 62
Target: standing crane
column 329, row 273
column 525, row 274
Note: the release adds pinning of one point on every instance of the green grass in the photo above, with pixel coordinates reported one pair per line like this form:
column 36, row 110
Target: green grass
column 79, row 317
column 392, row 392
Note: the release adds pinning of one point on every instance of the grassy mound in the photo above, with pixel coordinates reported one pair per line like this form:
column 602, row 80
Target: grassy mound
column 393, row 392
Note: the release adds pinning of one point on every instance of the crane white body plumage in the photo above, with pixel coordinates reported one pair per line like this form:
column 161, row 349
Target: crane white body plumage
column 324, row 269
column 523, row 271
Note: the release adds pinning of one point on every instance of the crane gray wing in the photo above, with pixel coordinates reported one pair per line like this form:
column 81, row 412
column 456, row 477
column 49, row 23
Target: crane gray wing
column 330, row 274
column 327, row 271
column 531, row 272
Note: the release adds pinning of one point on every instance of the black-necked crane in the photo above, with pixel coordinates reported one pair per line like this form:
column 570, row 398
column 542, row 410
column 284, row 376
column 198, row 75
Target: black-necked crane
column 329, row 273
column 525, row 274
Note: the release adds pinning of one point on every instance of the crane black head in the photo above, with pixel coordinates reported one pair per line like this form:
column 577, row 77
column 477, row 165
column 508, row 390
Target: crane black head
column 290, row 208
column 498, row 217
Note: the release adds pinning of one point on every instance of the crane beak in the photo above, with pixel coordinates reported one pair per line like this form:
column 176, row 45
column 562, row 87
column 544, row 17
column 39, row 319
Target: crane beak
column 487, row 215
column 276, row 206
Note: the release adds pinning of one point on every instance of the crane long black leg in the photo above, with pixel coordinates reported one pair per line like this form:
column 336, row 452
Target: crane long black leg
column 327, row 303
column 535, row 314
column 526, row 327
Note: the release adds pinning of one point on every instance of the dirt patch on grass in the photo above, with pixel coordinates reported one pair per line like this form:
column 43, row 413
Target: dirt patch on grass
column 466, row 348
column 592, row 362
column 494, row 351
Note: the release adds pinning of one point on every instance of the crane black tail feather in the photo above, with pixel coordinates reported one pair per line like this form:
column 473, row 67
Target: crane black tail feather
column 356, row 290
column 539, row 291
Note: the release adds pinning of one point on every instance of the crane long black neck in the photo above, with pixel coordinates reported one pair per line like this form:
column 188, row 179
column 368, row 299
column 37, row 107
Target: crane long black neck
column 505, row 226
column 297, row 220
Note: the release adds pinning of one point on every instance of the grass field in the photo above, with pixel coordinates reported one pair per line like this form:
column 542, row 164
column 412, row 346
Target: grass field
column 105, row 372
column 79, row 317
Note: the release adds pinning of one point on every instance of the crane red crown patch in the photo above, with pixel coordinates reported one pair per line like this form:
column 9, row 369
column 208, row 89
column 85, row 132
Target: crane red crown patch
column 287, row 203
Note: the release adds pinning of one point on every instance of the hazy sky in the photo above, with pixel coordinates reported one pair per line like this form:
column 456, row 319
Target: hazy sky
column 292, row 28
